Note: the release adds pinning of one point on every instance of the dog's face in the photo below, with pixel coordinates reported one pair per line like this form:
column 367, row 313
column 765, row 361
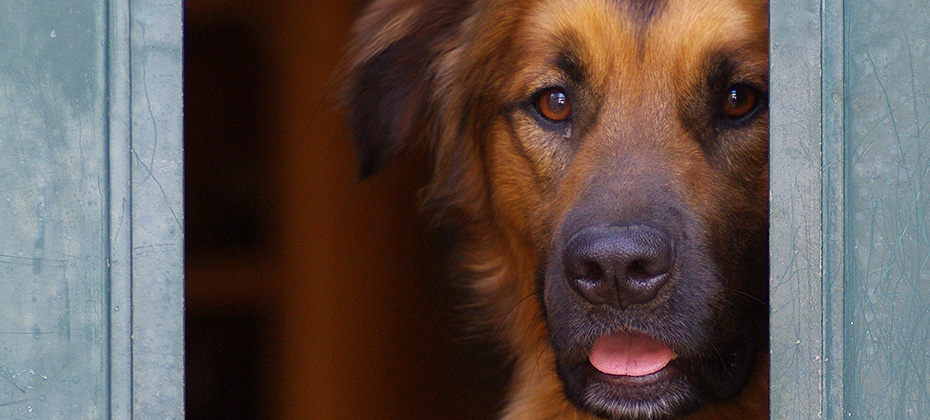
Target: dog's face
column 618, row 148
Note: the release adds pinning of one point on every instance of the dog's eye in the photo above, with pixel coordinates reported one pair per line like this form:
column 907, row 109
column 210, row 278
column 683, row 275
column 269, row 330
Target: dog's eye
column 739, row 101
column 553, row 104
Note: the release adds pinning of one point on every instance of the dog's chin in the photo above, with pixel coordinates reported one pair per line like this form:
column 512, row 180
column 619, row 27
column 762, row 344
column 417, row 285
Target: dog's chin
column 659, row 395
column 682, row 386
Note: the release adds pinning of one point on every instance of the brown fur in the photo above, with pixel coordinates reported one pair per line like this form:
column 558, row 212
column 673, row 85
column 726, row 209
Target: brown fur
column 452, row 75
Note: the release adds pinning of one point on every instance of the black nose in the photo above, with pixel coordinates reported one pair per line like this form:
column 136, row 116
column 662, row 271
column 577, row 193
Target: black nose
column 619, row 265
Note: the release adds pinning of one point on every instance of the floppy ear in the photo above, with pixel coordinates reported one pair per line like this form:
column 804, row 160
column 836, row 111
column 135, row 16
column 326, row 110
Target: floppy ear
column 391, row 75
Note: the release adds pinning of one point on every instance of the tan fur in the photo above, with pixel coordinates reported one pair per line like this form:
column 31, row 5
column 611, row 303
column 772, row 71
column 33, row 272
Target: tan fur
column 508, row 188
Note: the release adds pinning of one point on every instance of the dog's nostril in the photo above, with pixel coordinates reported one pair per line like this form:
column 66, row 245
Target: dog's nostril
column 619, row 265
column 637, row 271
column 587, row 277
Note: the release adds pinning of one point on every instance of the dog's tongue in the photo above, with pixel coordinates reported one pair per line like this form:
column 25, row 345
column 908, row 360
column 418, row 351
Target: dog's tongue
column 629, row 354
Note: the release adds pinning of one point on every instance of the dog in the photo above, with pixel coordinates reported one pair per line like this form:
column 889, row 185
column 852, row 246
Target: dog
column 606, row 165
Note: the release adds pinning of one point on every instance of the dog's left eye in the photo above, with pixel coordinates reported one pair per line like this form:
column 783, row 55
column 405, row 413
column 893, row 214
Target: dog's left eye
column 553, row 104
column 739, row 101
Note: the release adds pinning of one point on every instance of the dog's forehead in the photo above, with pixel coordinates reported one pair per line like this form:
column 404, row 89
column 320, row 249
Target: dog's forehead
column 656, row 34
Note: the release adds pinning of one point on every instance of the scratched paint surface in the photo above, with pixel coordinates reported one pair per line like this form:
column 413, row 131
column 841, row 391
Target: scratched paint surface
column 795, row 207
column 53, row 215
column 887, row 311
column 157, row 213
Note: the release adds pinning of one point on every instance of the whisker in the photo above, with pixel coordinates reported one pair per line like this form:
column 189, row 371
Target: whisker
column 502, row 324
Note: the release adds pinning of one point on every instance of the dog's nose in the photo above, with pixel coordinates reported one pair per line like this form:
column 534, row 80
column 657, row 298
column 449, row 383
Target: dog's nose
column 619, row 265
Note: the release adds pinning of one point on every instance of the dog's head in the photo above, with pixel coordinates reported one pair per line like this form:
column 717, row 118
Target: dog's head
column 616, row 147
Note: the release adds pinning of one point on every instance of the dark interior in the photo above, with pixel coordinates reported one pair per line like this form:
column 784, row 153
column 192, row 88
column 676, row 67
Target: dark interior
column 309, row 295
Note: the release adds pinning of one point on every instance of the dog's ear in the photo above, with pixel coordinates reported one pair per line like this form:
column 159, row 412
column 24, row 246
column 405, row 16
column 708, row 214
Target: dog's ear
column 391, row 74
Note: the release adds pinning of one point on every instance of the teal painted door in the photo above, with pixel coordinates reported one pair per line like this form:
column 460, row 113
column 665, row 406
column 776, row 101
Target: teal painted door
column 91, row 224
column 886, row 331
column 850, row 209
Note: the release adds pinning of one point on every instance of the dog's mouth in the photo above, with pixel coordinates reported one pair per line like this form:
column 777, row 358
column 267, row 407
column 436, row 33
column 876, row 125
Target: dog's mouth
column 630, row 374
column 630, row 354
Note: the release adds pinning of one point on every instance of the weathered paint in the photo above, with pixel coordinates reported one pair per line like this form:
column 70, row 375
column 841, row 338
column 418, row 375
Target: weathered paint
column 887, row 159
column 53, row 207
column 90, row 203
column 796, row 307
column 850, row 209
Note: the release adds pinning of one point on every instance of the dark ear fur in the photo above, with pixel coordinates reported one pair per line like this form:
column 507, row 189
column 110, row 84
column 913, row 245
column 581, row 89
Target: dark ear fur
column 389, row 87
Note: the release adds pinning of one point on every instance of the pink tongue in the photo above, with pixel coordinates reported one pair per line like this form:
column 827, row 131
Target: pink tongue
column 629, row 354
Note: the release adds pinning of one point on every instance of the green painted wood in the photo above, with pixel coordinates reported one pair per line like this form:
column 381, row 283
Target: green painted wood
column 795, row 209
column 157, row 209
column 120, row 203
column 834, row 205
column 858, row 161
column 53, row 207
column 91, row 282
column 887, row 159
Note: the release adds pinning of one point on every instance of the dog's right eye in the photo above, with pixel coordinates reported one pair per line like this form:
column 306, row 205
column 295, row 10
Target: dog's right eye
column 739, row 101
column 553, row 104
